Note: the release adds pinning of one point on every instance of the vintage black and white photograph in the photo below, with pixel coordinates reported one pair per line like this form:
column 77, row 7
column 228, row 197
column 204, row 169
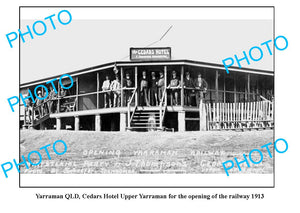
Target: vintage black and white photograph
column 148, row 94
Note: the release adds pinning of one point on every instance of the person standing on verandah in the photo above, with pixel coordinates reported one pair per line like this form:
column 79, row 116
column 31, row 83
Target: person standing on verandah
column 153, row 90
column 201, row 86
column 106, row 94
column 116, row 89
column 144, row 90
column 174, row 86
column 51, row 98
column 189, row 89
column 28, row 110
column 39, row 102
column 160, row 86
column 127, row 84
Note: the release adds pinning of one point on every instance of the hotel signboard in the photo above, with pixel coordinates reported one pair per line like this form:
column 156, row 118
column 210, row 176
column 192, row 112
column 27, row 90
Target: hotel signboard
column 150, row 54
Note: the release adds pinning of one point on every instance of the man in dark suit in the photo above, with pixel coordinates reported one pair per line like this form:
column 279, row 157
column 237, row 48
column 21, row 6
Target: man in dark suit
column 189, row 86
column 153, row 90
column 127, row 83
column 144, row 90
column 174, row 86
column 160, row 85
column 201, row 86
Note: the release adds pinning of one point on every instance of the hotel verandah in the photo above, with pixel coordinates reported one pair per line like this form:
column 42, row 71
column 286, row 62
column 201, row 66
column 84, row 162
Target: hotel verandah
column 242, row 99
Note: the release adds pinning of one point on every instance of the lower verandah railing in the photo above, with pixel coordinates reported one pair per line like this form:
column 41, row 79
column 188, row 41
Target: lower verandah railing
column 257, row 114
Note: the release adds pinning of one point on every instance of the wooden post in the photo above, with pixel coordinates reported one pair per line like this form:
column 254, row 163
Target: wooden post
column 58, row 99
column 128, row 117
column 122, row 92
column 181, row 121
column 182, row 89
column 97, row 122
column 77, row 92
column 223, row 113
column 214, row 112
column 77, row 123
column 98, row 89
column 224, row 88
column 251, row 111
column 165, row 75
column 239, row 112
column 231, row 111
column 217, row 86
column 248, row 87
column 202, row 116
column 218, row 113
column 58, row 123
column 247, row 111
column 242, row 112
column 209, row 116
column 136, row 84
column 257, row 90
column 122, row 122
column 234, row 85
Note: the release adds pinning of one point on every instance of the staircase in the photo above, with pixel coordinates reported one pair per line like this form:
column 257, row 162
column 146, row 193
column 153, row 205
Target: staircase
column 145, row 119
column 40, row 120
column 36, row 120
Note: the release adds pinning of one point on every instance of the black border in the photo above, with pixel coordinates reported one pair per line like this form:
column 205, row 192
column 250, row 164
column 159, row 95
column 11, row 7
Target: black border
column 187, row 187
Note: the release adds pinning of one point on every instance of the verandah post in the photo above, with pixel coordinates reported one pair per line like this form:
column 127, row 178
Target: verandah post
column 77, row 92
column 165, row 75
column 217, row 86
column 98, row 122
column 76, row 123
column 58, row 123
column 98, row 88
column 248, row 87
column 182, row 89
column 202, row 116
column 122, row 92
column 136, row 84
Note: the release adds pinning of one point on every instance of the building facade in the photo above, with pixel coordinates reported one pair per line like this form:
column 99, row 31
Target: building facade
column 155, row 94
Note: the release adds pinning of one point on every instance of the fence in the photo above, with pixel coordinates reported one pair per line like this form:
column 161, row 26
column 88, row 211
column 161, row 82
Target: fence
column 257, row 114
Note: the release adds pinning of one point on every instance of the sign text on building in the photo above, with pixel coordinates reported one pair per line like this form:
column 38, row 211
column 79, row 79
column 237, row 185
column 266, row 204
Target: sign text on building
column 153, row 53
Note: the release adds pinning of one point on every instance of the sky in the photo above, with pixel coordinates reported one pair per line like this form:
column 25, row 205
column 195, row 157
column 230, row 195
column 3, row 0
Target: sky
column 89, row 42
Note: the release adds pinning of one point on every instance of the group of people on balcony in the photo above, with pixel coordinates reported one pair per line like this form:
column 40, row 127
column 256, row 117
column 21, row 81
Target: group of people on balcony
column 150, row 90
column 40, row 107
column 192, row 87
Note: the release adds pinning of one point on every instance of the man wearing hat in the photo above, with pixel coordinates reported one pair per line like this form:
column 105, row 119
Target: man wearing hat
column 174, row 86
column 106, row 94
column 51, row 97
column 153, row 90
column 39, row 104
column 189, row 86
column 116, row 89
column 127, row 83
column 28, row 109
column 201, row 86
column 62, row 93
column 144, row 89
column 160, row 85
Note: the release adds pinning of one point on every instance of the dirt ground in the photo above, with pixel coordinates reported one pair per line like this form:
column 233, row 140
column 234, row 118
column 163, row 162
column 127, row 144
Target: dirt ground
column 150, row 152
